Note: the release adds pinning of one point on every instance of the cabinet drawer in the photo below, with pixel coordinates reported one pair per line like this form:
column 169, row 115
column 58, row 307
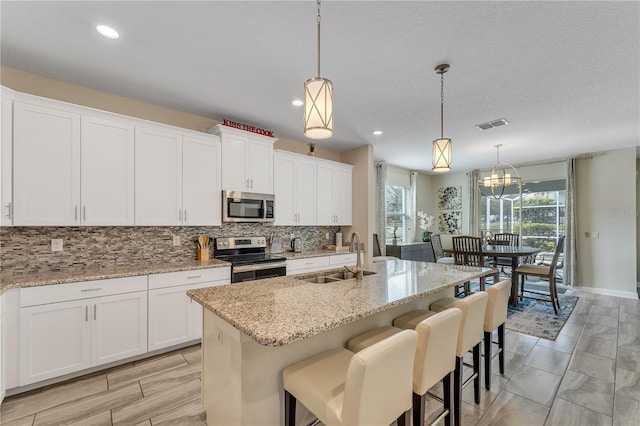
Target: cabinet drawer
column 172, row 279
column 311, row 262
column 343, row 259
column 81, row 290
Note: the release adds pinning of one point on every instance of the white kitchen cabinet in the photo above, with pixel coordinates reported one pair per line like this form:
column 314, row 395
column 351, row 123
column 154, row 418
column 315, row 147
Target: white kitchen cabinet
column 2, row 346
column 60, row 336
column 6, row 141
column 295, row 189
column 334, row 189
column 174, row 317
column 201, row 181
column 46, row 166
column 248, row 160
column 177, row 179
column 346, row 259
column 107, row 172
column 310, row 264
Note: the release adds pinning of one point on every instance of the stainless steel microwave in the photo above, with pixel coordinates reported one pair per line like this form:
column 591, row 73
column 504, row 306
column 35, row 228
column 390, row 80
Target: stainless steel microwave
column 238, row 206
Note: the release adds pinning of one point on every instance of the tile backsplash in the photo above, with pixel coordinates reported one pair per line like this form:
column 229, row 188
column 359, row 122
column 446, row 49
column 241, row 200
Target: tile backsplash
column 28, row 249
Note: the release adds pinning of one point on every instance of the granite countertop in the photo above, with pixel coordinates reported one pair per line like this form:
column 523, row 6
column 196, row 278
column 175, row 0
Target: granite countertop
column 8, row 281
column 283, row 310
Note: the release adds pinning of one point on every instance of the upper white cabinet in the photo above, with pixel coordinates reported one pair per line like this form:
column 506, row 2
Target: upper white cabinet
column 248, row 160
column 106, row 177
column 295, row 189
column 334, row 188
column 6, row 141
column 46, row 166
column 177, row 179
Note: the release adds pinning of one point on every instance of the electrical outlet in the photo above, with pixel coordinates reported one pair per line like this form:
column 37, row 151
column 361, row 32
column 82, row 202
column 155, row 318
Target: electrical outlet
column 326, row 236
column 176, row 240
column 56, row 244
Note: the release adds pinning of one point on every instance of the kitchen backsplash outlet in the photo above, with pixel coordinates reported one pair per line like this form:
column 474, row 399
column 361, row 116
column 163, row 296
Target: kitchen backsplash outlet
column 28, row 249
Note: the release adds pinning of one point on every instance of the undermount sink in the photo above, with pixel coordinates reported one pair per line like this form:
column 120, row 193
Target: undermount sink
column 332, row 277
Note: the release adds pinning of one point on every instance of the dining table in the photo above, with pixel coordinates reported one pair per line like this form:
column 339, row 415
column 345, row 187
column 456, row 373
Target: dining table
column 515, row 253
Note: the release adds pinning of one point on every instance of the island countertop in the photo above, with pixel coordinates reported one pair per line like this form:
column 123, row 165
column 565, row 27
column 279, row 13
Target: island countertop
column 283, row 310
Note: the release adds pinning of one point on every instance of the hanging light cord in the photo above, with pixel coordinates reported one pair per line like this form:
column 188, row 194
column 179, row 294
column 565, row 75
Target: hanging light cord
column 318, row 38
column 441, row 105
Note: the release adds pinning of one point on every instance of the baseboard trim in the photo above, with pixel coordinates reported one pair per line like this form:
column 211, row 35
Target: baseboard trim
column 607, row 292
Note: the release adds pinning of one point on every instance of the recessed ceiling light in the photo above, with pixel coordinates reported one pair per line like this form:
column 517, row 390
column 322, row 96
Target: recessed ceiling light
column 107, row 31
column 297, row 102
column 377, row 132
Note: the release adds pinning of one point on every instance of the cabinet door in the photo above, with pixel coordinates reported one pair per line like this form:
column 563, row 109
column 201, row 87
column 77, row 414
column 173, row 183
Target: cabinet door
column 234, row 173
column 342, row 183
column 325, row 195
column 201, row 186
column 119, row 327
column 170, row 317
column 46, row 167
column 54, row 340
column 283, row 185
column 6, row 142
column 158, row 182
column 260, row 167
column 107, row 172
column 305, row 194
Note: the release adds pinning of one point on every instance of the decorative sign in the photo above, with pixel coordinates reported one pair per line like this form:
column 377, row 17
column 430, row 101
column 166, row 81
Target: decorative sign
column 247, row 127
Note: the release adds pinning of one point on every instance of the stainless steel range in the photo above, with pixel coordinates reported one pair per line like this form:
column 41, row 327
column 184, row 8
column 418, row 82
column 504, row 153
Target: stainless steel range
column 248, row 258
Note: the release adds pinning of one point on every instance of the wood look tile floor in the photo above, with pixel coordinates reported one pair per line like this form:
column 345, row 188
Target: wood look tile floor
column 590, row 375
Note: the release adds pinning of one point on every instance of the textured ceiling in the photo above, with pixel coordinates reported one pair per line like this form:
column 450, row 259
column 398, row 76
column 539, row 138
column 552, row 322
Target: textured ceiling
column 566, row 75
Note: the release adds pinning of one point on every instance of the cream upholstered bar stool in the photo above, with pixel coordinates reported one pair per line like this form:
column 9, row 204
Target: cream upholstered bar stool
column 372, row 387
column 434, row 360
column 470, row 336
column 495, row 316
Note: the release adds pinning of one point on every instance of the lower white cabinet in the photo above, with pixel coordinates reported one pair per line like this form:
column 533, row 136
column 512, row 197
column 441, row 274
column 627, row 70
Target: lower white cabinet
column 62, row 337
column 310, row 264
column 2, row 387
column 174, row 317
column 346, row 259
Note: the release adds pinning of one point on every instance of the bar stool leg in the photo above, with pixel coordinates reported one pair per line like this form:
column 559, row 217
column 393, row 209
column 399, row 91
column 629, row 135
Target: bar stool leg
column 501, row 346
column 404, row 419
column 447, row 382
column 487, row 359
column 476, row 371
column 457, row 392
column 289, row 409
column 418, row 408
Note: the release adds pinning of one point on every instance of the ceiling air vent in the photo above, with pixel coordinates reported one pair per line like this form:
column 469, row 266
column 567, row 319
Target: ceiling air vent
column 491, row 124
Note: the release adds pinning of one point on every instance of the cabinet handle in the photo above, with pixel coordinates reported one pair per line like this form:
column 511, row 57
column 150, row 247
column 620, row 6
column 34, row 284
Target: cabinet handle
column 75, row 213
column 179, row 215
column 251, row 183
column 248, row 184
column 193, row 277
column 95, row 309
column 9, row 210
column 185, row 215
column 91, row 289
column 84, row 212
column 86, row 313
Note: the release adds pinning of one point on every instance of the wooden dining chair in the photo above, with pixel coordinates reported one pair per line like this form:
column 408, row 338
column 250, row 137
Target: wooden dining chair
column 468, row 251
column 544, row 271
column 438, row 252
column 505, row 239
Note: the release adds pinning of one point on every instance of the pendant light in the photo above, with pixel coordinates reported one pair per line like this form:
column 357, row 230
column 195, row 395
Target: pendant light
column 318, row 102
column 442, row 146
column 502, row 175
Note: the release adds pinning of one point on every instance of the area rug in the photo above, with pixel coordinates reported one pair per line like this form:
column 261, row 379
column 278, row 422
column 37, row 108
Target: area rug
column 538, row 319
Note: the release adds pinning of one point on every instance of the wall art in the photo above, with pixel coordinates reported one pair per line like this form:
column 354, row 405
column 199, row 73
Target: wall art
column 450, row 198
column 450, row 222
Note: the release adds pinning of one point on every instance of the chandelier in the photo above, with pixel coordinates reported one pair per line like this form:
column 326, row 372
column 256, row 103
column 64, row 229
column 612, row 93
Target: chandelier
column 318, row 102
column 441, row 147
column 502, row 175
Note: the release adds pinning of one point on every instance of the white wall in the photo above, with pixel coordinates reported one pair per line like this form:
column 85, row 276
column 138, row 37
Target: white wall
column 426, row 201
column 606, row 203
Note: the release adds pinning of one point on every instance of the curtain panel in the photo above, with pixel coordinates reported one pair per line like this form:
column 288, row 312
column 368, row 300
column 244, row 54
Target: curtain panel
column 571, row 271
column 381, row 186
column 474, row 203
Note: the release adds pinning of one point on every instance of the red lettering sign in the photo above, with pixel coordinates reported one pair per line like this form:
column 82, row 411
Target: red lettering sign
column 246, row 127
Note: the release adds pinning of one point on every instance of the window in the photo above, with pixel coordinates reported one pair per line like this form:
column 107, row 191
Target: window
column 543, row 219
column 397, row 214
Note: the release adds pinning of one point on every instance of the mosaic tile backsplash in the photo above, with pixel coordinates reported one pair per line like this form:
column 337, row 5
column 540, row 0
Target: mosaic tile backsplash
column 28, row 249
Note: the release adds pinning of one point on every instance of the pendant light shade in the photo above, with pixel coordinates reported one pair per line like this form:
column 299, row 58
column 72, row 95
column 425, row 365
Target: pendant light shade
column 441, row 155
column 318, row 102
column 502, row 176
column 318, row 108
column 441, row 147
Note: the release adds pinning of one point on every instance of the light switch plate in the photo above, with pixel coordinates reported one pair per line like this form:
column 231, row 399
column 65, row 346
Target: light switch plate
column 176, row 240
column 56, row 244
column 595, row 235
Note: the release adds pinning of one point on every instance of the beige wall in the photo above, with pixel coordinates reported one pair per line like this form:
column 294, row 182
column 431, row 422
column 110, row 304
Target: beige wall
column 606, row 198
column 363, row 196
column 33, row 84
column 426, row 201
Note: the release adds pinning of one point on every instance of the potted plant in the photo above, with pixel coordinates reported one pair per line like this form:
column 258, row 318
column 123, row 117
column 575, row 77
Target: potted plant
column 425, row 223
column 312, row 149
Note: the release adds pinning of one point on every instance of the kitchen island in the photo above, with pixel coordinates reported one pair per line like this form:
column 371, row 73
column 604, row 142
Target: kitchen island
column 253, row 330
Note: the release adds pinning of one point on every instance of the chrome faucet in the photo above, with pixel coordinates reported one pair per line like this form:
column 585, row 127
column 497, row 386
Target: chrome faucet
column 358, row 270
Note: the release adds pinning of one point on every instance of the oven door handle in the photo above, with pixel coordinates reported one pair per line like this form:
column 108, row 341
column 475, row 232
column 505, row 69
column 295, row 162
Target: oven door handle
column 259, row 267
